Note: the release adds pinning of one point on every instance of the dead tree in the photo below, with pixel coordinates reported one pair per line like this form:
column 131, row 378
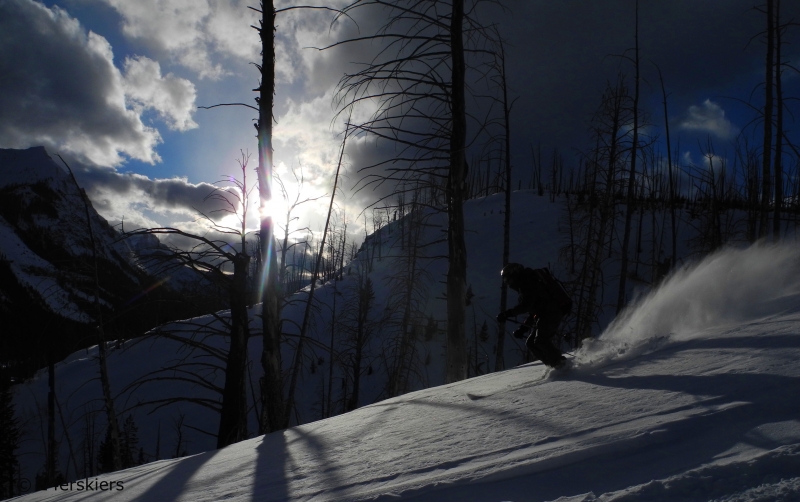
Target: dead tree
column 766, row 153
column 364, row 297
column 418, row 82
column 105, row 383
column 310, row 299
column 776, row 218
column 286, row 246
column 672, row 201
column 630, row 199
column 213, row 258
column 596, row 215
column 407, row 297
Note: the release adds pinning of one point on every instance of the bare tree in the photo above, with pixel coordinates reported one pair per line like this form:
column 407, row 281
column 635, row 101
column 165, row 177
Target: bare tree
column 359, row 314
column 630, row 199
column 673, row 226
column 309, row 301
column 496, row 73
column 766, row 153
column 418, row 81
column 292, row 206
column 596, row 215
column 776, row 218
column 101, row 346
column 212, row 257
column 407, row 297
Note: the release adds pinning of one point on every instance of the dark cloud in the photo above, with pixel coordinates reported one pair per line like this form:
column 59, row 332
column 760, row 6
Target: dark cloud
column 562, row 53
column 114, row 194
column 59, row 88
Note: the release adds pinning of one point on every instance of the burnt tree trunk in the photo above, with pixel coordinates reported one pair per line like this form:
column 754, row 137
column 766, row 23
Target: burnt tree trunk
column 456, row 365
column 233, row 417
column 272, row 410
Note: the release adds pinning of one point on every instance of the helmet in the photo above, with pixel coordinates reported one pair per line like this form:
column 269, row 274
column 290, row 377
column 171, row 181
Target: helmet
column 511, row 271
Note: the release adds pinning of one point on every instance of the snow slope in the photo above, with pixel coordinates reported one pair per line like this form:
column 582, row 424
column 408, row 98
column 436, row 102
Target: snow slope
column 690, row 396
column 82, row 423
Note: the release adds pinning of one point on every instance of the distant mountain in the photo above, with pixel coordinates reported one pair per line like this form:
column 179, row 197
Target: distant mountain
column 47, row 286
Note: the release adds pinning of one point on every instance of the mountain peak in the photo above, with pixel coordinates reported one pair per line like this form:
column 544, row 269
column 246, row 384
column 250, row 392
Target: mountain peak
column 29, row 166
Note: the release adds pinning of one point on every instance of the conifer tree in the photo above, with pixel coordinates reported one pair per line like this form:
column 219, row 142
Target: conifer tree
column 9, row 441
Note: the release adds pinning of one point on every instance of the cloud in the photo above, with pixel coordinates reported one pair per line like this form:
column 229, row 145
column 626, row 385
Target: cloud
column 147, row 202
column 59, row 88
column 193, row 33
column 172, row 97
column 709, row 118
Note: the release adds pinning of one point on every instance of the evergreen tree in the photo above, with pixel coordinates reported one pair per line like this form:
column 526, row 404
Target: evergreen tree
column 105, row 459
column 129, row 442
column 9, row 440
column 484, row 333
column 128, row 445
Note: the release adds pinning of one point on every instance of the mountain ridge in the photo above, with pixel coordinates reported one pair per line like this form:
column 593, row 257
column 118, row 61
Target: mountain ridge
column 47, row 267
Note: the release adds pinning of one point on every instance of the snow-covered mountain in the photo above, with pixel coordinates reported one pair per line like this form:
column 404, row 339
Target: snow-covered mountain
column 690, row 395
column 47, row 286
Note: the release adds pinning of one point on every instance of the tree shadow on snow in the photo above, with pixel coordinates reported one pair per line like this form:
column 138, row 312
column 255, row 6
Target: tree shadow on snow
column 273, row 467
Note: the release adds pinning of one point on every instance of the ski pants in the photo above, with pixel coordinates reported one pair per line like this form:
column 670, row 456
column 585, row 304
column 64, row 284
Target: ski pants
column 542, row 340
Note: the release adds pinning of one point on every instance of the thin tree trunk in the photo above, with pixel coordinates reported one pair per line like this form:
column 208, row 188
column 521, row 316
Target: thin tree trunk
column 776, row 218
column 671, row 177
column 364, row 301
column 116, row 459
column 766, row 188
column 303, row 328
column 51, row 421
column 327, row 406
column 499, row 363
column 233, row 416
column 623, row 274
column 456, row 364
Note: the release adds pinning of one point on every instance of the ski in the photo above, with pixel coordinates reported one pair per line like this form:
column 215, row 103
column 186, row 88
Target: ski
column 548, row 375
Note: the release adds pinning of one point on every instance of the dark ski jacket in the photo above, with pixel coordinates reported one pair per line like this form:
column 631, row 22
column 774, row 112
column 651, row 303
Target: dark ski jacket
column 534, row 297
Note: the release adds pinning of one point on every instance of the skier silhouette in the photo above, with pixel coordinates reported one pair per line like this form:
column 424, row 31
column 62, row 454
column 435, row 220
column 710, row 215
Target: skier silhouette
column 545, row 302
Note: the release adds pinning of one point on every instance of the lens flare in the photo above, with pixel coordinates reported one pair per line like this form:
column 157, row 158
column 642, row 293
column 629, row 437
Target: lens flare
column 151, row 288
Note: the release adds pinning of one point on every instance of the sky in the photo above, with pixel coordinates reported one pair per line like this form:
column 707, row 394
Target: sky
column 115, row 87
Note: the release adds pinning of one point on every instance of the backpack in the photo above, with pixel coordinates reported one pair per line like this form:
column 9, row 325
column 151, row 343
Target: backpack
column 555, row 288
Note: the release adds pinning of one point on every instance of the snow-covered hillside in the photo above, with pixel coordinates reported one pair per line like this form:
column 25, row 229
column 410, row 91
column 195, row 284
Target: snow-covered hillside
column 690, row 396
column 187, row 375
column 42, row 220
column 47, row 267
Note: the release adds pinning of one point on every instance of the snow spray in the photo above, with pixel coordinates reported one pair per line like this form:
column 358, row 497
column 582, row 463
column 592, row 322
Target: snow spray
column 730, row 287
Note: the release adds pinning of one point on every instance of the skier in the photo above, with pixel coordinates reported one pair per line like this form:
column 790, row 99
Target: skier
column 546, row 302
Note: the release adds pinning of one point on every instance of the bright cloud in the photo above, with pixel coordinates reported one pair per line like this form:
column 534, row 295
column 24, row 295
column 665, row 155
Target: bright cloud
column 710, row 118
column 172, row 97
column 192, row 32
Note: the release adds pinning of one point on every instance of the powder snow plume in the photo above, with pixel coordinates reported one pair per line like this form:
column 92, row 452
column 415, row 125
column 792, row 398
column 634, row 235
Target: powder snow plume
column 730, row 287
